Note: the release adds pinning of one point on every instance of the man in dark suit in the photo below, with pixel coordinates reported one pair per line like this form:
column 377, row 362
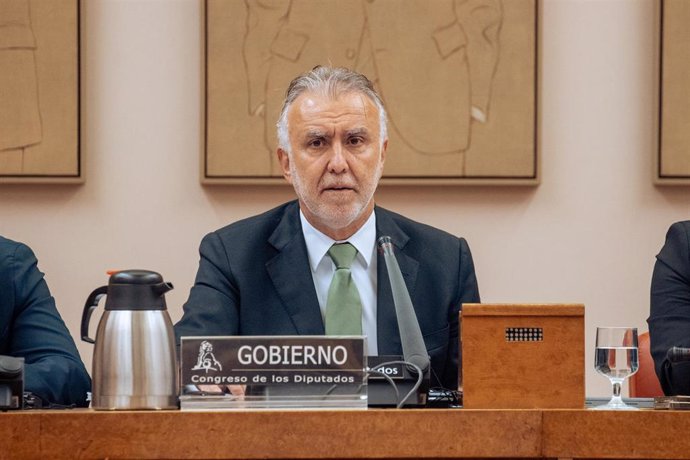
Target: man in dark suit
column 270, row 274
column 31, row 327
column 669, row 318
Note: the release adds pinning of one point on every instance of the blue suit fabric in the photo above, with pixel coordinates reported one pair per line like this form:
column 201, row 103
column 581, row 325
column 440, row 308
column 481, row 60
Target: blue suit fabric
column 669, row 318
column 31, row 327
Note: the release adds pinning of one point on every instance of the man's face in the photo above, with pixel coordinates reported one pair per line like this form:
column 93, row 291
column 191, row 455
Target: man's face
column 336, row 161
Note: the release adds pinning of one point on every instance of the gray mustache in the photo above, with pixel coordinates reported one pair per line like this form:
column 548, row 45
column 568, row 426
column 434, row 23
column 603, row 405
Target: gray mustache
column 338, row 184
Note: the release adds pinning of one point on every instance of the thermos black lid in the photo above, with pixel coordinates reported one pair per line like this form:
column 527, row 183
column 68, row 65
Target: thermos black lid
column 136, row 290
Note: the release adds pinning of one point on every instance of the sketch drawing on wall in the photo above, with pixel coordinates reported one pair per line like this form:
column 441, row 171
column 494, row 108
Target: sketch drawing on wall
column 279, row 44
column 38, row 90
column 20, row 124
column 438, row 66
column 673, row 156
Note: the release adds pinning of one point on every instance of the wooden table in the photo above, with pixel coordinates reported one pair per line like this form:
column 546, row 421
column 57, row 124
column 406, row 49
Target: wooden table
column 430, row 433
column 616, row 434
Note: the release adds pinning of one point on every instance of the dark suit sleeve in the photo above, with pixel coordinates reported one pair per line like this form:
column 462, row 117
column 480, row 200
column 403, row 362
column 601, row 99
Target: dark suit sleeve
column 212, row 307
column 53, row 369
column 468, row 292
column 669, row 319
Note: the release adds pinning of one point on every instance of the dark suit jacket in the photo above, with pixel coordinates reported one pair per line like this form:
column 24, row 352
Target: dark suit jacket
column 669, row 318
column 254, row 279
column 31, row 327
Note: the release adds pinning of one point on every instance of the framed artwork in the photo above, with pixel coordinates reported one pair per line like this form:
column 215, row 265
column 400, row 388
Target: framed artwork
column 673, row 156
column 39, row 91
column 459, row 80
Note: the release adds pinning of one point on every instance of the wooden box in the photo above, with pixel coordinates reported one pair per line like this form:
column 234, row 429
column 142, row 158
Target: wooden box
column 523, row 356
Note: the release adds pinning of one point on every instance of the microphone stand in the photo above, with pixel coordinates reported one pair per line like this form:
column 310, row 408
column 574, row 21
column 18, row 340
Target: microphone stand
column 414, row 350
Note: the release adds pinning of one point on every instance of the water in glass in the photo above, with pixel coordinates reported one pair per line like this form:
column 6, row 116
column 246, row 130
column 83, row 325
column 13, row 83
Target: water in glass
column 616, row 362
column 616, row 357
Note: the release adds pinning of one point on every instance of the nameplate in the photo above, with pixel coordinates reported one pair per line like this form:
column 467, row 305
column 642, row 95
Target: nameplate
column 273, row 371
column 390, row 366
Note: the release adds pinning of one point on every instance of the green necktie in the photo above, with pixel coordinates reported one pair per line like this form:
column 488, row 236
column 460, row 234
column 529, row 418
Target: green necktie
column 343, row 306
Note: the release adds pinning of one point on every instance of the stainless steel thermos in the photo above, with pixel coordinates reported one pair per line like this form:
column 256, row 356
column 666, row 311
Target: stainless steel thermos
column 134, row 365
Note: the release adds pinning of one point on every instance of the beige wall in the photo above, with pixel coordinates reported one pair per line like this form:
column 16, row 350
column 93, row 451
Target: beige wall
column 588, row 233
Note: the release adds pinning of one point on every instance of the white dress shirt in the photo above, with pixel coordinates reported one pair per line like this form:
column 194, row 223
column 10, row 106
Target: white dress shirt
column 363, row 271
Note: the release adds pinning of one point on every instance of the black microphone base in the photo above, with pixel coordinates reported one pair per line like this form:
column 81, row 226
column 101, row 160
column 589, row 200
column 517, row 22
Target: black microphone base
column 382, row 394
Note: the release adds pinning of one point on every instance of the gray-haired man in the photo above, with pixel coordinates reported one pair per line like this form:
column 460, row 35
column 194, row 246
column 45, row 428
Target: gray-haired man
column 271, row 274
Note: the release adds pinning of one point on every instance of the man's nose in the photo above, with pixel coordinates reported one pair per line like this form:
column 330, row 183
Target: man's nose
column 337, row 163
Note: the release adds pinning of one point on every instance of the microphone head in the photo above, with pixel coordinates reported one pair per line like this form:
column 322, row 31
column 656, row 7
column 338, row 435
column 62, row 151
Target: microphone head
column 678, row 354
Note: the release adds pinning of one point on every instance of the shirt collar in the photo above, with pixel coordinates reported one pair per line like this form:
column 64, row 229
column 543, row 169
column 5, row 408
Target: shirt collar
column 318, row 243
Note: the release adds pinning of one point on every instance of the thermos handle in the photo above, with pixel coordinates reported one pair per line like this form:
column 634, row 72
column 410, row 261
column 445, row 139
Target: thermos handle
column 89, row 307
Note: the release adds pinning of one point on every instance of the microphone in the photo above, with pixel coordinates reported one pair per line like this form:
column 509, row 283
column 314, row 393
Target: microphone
column 678, row 354
column 414, row 350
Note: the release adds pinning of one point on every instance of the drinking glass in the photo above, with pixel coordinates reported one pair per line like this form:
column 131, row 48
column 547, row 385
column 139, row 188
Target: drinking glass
column 616, row 357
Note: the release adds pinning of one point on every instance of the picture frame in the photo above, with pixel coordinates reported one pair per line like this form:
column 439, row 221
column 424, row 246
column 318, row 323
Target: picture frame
column 672, row 158
column 40, row 113
column 460, row 87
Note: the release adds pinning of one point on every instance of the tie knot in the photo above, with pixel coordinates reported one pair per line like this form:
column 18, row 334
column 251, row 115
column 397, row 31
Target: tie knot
column 342, row 254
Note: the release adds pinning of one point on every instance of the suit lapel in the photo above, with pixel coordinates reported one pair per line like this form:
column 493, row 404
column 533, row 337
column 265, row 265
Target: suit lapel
column 289, row 270
column 387, row 323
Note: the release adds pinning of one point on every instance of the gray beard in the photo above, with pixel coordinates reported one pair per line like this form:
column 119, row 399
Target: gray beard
column 339, row 219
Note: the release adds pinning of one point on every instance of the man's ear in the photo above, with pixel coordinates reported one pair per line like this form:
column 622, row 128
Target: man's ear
column 383, row 151
column 284, row 160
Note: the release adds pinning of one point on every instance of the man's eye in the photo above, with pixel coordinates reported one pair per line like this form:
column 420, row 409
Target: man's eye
column 356, row 140
column 316, row 143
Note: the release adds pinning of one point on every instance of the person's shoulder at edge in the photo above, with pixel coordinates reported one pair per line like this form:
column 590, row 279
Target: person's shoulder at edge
column 65, row 365
column 677, row 239
column 10, row 252
column 680, row 226
column 7, row 246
